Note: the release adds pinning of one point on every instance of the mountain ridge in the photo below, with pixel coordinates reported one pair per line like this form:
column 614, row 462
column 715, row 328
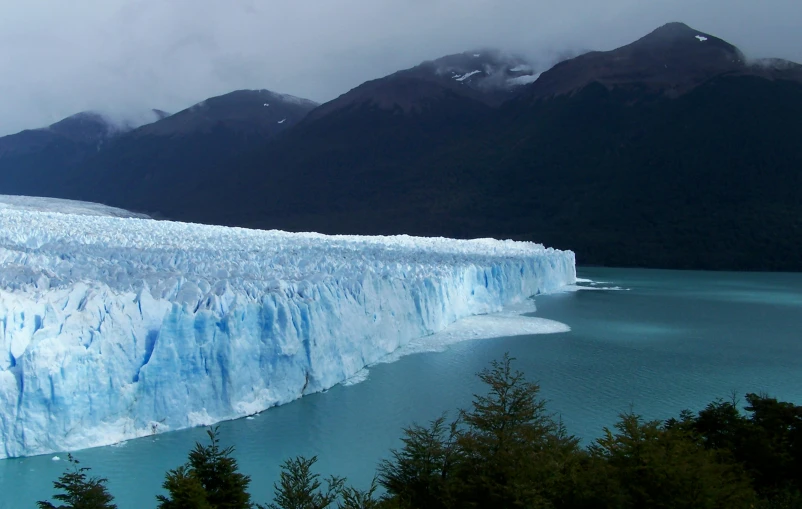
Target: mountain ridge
column 671, row 60
column 80, row 156
column 630, row 157
column 486, row 76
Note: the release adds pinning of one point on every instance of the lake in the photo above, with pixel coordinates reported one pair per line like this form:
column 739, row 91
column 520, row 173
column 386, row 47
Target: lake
column 661, row 342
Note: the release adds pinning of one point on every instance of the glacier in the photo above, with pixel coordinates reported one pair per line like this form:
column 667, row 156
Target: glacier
column 43, row 204
column 116, row 327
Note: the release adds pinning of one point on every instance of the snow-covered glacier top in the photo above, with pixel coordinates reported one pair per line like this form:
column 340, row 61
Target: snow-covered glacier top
column 113, row 328
column 42, row 204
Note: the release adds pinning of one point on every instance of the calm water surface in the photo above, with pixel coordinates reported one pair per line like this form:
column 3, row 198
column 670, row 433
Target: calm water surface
column 673, row 340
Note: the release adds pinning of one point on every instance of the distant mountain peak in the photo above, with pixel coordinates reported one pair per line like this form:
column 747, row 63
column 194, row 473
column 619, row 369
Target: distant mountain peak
column 261, row 111
column 487, row 77
column 85, row 129
column 673, row 29
column 84, row 125
column 487, row 70
column 88, row 126
column 248, row 98
column 678, row 36
column 670, row 60
column 82, row 116
column 160, row 114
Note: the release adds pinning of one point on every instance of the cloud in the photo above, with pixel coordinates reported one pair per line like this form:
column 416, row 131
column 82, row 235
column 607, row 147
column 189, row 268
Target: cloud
column 123, row 57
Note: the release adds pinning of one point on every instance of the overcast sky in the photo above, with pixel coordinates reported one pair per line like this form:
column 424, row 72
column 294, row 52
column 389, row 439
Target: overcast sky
column 58, row 57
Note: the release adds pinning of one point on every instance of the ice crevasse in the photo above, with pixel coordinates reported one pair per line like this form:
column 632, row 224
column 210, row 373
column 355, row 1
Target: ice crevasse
column 113, row 328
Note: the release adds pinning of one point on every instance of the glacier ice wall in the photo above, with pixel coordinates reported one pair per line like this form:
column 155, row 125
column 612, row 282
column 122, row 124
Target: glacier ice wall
column 113, row 328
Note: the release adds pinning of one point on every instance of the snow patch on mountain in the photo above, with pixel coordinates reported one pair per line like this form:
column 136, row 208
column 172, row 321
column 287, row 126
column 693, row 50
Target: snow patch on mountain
column 292, row 99
column 466, row 75
column 523, row 80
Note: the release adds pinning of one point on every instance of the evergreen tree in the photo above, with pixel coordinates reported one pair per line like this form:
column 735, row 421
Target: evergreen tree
column 299, row 487
column 506, row 451
column 186, row 491
column 353, row 498
column 514, row 453
column 421, row 472
column 767, row 441
column 209, row 479
column 79, row 490
column 661, row 467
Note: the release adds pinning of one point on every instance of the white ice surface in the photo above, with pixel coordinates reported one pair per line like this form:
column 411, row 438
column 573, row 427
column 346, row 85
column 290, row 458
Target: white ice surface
column 114, row 328
column 40, row 204
column 511, row 321
column 508, row 322
column 701, row 38
column 582, row 284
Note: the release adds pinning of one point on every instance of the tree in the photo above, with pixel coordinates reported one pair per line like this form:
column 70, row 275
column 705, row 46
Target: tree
column 514, row 453
column 661, row 467
column 186, row 491
column 353, row 498
column 210, row 478
column 772, row 450
column 506, row 451
column 299, row 488
column 80, row 491
column 420, row 473
column 767, row 441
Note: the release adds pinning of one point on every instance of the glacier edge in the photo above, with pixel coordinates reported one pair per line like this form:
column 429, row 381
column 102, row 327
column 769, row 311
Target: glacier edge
column 119, row 328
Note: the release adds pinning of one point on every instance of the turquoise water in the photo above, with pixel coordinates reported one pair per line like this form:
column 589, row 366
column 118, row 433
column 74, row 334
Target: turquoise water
column 673, row 340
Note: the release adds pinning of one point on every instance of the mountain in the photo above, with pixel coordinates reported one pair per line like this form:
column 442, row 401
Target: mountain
column 32, row 161
column 260, row 112
column 485, row 76
column 326, row 161
column 607, row 153
column 151, row 168
column 670, row 61
column 673, row 151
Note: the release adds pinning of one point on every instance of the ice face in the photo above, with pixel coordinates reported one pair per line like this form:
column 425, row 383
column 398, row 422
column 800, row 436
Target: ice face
column 114, row 328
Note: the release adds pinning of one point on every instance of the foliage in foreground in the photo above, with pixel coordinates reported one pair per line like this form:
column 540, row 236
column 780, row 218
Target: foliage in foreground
column 79, row 490
column 507, row 451
column 210, row 479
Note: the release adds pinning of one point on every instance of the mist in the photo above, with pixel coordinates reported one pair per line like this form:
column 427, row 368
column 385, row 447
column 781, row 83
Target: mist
column 123, row 58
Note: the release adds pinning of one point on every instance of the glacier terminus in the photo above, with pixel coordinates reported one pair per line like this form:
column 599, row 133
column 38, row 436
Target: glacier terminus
column 113, row 328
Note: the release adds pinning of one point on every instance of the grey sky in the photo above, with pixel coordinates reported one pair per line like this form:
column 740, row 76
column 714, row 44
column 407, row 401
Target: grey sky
column 59, row 57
